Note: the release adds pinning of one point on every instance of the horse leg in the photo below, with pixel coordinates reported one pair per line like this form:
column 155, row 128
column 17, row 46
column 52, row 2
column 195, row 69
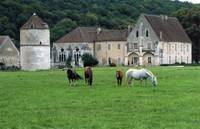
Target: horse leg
column 69, row 82
column 145, row 82
column 90, row 81
column 74, row 82
column 130, row 81
column 126, row 81
column 120, row 81
column 141, row 82
column 117, row 81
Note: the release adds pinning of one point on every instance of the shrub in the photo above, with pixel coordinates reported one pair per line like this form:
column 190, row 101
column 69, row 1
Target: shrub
column 182, row 63
column 68, row 61
column 89, row 60
column 112, row 65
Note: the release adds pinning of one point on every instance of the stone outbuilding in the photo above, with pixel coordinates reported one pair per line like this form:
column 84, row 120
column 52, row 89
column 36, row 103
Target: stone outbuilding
column 9, row 54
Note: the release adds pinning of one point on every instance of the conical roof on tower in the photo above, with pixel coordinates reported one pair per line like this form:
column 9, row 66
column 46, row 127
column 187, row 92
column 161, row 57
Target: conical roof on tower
column 35, row 22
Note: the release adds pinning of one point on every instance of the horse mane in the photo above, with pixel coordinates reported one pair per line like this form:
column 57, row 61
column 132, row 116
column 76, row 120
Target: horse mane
column 149, row 72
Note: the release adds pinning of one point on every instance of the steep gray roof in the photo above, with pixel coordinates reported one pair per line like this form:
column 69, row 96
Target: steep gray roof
column 35, row 22
column 90, row 35
column 2, row 39
column 170, row 28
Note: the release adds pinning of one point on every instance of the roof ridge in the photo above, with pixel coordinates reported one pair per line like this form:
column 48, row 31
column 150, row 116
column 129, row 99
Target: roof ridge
column 154, row 15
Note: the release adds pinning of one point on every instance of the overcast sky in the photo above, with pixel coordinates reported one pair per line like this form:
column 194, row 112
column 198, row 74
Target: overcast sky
column 193, row 1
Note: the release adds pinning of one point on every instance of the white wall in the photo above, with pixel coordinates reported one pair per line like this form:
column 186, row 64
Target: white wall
column 33, row 58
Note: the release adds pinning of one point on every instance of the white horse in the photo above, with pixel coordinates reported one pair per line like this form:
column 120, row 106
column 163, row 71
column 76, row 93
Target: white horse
column 140, row 74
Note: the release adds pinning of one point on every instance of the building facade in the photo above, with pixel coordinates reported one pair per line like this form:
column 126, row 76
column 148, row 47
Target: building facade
column 35, row 44
column 156, row 40
column 106, row 45
column 9, row 54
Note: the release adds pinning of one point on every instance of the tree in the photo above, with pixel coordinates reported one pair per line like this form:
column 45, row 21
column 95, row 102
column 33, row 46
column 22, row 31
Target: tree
column 89, row 60
column 190, row 19
column 62, row 27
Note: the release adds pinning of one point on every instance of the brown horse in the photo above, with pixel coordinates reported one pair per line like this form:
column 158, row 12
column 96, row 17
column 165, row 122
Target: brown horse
column 119, row 77
column 88, row 75
column 72, row 76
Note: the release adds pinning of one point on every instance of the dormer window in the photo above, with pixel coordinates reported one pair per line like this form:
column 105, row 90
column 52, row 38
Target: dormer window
column 137, row 33
column 147, row 33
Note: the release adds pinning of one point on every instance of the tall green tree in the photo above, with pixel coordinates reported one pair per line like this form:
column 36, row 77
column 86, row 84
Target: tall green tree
column 190, row 19
column 62, row 27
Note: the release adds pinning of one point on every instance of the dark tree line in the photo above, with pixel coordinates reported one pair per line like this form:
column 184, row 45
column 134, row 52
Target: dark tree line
column 64, row 15
column 190, row 19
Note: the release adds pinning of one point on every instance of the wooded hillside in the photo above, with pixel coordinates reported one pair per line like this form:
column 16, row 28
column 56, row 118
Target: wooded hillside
column 64, row 15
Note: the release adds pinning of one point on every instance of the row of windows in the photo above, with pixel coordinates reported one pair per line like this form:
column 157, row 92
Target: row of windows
column 109, row 47
column 171, row 47
column 146, row 33
column 135, row 60
column 176, row 59
column 110, row 60
column 135, row 46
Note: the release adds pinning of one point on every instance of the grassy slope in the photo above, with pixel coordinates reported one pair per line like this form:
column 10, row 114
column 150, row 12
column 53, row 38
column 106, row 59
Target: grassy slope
column 38, row 100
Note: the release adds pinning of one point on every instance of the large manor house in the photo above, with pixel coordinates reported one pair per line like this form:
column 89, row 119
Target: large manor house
column 153, row 40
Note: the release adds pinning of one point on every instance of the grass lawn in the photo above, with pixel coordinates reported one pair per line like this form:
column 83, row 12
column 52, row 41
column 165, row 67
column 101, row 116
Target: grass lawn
column 43, row 100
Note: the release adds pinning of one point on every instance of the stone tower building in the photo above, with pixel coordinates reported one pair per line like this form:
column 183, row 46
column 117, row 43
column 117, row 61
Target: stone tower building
column 35, row 44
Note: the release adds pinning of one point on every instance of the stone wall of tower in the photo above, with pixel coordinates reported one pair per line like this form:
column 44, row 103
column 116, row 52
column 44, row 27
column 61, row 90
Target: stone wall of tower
column 35, row 49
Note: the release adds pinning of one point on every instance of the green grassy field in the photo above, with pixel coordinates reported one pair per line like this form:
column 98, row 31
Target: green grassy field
column 43, row 100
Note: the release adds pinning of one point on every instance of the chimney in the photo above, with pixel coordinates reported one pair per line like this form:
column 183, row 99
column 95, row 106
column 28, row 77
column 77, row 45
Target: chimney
column 161, row 35
column 162, row 17
column 98, row 30
column 166, row 17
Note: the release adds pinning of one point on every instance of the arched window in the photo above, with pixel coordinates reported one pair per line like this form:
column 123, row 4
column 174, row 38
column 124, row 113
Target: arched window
column 137, row 33
column 109, row 60
column 32, row 26
column 149, row 60
column 147, row 33
column 62, row 56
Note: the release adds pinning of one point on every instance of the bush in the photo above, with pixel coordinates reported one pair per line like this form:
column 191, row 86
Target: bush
column 182, row 63
column 89, row 60
column 112, row 65
column 177, row 63
column 68, row 61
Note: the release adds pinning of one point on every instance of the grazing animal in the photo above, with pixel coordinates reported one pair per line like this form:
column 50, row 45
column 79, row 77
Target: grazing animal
column 88, row 75
column 119, row 77
column 140, row 74
column 72, row 76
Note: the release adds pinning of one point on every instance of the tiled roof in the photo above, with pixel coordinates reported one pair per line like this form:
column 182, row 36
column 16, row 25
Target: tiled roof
column 169, row 27
column 90, row 35
column 35, row 22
